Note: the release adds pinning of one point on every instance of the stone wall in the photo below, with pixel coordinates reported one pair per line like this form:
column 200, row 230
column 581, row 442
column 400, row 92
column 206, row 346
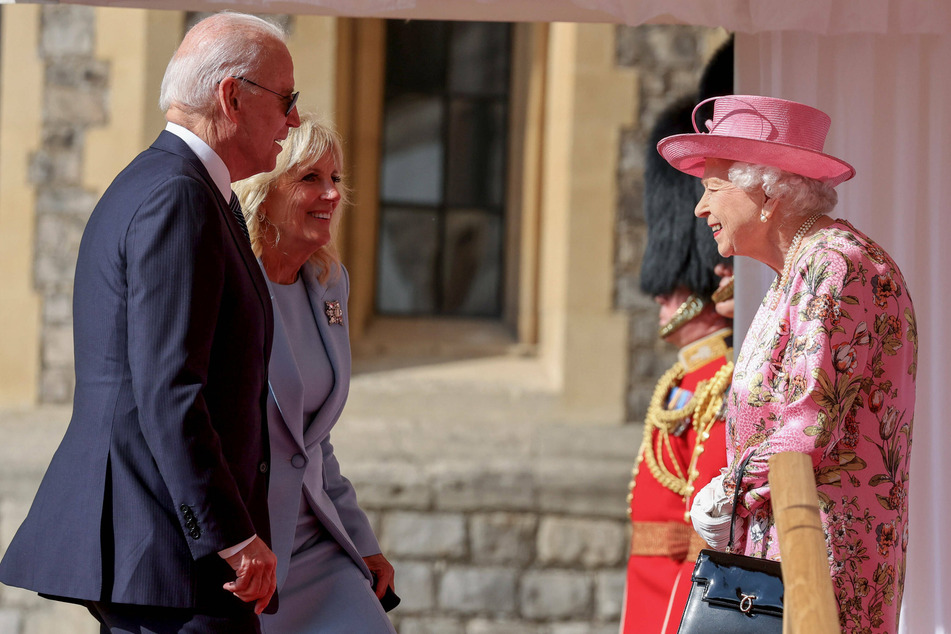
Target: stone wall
column 75, row 98
column 497, row 519
column 669, row 61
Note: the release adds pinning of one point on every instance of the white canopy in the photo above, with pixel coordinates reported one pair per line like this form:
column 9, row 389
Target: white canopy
column 827, row 17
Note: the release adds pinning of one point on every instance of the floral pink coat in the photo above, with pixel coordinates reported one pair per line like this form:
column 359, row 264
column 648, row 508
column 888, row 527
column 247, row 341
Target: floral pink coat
column 831, row 373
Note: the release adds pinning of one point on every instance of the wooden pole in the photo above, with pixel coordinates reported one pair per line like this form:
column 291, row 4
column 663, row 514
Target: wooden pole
column 809, row 605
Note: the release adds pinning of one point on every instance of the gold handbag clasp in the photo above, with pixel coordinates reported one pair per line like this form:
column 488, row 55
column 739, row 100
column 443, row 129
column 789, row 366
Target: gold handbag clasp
column 746, row 603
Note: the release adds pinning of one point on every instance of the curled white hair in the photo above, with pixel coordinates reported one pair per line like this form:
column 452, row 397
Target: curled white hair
column 234, row 45
column 302, row 149
column 798, row 194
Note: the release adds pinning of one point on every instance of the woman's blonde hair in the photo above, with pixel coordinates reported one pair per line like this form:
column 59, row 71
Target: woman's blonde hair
column 303, row 147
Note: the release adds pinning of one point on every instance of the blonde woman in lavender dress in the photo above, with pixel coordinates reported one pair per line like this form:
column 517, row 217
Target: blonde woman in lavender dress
column 331, row 574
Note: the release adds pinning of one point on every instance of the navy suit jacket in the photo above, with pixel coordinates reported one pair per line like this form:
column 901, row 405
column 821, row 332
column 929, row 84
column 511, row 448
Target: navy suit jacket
column 165, row 460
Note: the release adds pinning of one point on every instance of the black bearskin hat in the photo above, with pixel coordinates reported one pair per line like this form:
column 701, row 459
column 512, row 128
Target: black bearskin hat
column 680, row 249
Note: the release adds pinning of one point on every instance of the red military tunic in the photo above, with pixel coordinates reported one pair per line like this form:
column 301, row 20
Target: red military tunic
column 664, row 545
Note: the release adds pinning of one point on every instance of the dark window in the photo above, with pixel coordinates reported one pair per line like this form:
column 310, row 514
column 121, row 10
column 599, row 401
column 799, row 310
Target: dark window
column 442, row 189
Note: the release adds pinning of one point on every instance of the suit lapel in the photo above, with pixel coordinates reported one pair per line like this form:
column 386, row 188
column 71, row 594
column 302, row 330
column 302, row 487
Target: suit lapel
column 336, row 339
column 168, row 142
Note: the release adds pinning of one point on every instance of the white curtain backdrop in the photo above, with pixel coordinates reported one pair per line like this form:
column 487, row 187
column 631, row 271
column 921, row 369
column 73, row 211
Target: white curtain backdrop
column 747, row 16
column 889, row 97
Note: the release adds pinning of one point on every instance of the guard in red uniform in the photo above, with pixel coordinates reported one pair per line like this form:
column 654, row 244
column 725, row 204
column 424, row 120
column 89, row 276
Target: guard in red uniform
column 684, row 440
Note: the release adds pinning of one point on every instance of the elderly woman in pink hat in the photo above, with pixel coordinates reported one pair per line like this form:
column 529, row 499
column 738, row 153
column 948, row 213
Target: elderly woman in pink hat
column 827, row 367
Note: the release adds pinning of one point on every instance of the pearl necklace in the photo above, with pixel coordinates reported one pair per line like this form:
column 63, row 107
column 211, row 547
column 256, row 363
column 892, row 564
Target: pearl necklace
column 780, row 283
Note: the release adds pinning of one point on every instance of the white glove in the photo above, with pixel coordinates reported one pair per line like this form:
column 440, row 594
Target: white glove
column 711, row 512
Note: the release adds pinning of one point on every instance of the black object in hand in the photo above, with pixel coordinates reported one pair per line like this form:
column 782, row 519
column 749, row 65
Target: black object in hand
column 390, row 600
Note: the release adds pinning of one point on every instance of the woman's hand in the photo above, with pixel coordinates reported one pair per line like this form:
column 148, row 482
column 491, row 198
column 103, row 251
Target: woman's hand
column 711, row 513
column 383, row 573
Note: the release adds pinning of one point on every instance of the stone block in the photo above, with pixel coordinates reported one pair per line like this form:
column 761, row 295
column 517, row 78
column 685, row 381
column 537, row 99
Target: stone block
column 502, row 538
column 430, row 625
column 79, row 72
column 627, row 289
column 67, row 30
column 673, row 46
column 57, row 385
column 55, row 166
column 66, row 201
column 56, row 618
column 638, row 401
column 79, row 105
column 428, row 535
column 388, row 485
column 13, row 509
column 631, row 47
column 631, row 151
column 609, row 594
column 580, row 542
column 58, row 309
column 555, row 594
column 376, row 521
column 487, row 591
column 24, row 601
column 415, row 585
column 594, row 487
column 58, row 346
column 10, row 621
column 584, row 628
column 469, row 488
column 492, row 626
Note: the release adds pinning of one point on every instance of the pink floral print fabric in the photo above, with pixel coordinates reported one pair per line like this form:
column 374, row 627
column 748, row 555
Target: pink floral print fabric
column 831, row 373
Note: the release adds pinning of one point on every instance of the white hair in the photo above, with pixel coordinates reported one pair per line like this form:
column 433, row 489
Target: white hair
column 231, row 44
column 799, row 194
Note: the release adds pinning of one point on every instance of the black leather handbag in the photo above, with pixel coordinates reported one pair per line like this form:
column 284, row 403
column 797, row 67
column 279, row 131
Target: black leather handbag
column 734, row 594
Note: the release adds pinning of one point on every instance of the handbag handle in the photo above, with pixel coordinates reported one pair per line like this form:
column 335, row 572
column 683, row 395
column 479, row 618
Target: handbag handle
column 736, row 496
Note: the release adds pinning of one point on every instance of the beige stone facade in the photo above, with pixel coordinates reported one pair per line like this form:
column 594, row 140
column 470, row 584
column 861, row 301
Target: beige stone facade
column 79, row 94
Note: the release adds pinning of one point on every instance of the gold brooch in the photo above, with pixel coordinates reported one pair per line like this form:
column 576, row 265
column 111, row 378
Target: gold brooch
column 334, row 312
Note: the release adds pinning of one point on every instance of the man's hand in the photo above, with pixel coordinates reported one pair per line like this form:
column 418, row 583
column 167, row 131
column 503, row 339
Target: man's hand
column 382, row 571
column 725, row 306
column 255, row 567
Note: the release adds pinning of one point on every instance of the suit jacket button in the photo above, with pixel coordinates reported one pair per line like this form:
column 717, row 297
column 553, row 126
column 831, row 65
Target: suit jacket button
column 262, row 467
column 298, row 461
column 184, row 509
column 195, row 533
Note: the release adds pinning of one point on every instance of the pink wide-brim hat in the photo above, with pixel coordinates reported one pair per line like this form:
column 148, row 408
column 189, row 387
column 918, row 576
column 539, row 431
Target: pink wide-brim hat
column 761, row 131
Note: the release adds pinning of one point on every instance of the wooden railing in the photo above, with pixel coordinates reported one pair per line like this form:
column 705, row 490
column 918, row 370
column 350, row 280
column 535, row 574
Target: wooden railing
column 810, row 606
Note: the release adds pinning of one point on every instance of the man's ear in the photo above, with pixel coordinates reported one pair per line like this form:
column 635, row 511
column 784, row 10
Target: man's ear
column 228, row 98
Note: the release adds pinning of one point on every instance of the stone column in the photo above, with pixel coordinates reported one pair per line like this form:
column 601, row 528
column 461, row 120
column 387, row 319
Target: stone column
column 582, row 337
column 20, row 102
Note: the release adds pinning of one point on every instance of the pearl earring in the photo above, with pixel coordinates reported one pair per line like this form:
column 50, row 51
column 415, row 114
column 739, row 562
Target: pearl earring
column 763, row 216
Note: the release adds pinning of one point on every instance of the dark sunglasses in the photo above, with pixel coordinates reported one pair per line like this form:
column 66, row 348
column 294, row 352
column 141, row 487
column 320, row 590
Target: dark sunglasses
column 292, row 97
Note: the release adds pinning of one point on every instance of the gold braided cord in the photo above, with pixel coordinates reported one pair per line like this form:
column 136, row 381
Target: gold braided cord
column 704, row 407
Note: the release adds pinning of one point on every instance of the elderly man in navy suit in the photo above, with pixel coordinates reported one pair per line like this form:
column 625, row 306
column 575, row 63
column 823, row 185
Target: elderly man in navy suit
column 153, row 512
